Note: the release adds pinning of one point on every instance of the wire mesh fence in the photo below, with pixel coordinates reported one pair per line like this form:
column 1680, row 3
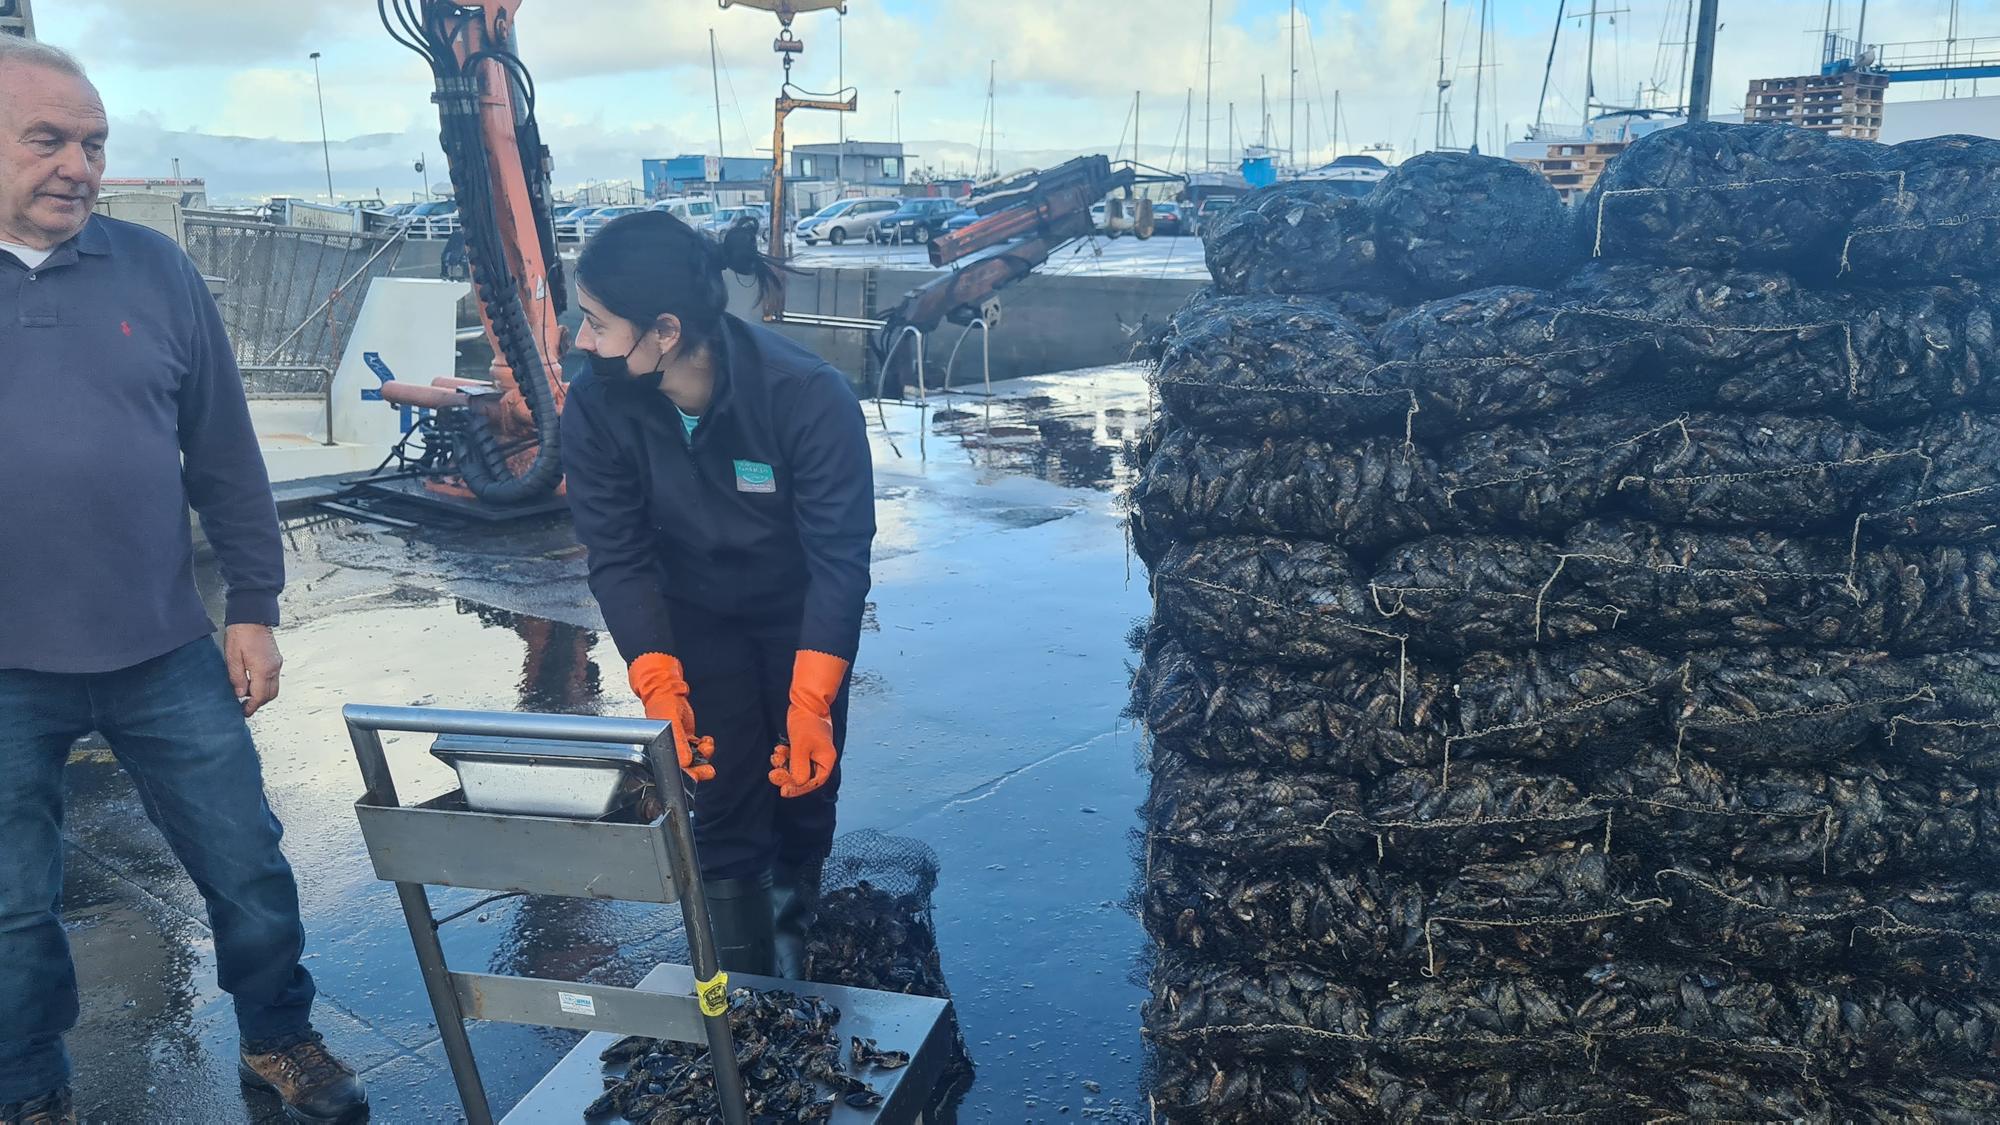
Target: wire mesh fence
column 289, row 295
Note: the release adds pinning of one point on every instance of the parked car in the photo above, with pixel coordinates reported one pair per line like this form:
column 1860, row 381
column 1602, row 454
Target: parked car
column 844, row 219
column 435, row 219
column 961, row 220
column 695, row 211
column 727, row 217
column 569, row 223
column 1211, row 209
column 594, row 222
column 917, row 220
column 1167, row 219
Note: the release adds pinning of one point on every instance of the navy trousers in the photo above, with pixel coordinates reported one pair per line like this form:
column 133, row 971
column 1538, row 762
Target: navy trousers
column 739, row 676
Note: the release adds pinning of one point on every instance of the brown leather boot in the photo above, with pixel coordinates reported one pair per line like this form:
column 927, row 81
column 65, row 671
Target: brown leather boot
column 49, row 1109
column 317, row 1088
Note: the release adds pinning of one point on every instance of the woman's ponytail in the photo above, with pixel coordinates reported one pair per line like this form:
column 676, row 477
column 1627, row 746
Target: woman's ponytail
column 644, row 265
column 741, row 256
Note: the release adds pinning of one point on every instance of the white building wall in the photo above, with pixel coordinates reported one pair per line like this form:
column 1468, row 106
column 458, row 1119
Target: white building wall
column 1915, row 120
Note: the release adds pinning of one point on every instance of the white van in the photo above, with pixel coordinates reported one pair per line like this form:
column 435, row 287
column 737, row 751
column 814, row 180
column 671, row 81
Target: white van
column 692, row 210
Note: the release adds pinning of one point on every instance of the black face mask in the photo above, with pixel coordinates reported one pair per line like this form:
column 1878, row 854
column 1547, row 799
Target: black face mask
column 612, row 368
column 618, row 368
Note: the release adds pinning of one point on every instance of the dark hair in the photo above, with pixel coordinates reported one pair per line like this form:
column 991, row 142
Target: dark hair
column 647, row 264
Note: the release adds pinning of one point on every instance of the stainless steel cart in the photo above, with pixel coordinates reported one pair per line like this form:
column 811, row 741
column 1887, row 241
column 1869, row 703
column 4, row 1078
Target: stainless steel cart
column 445, row 843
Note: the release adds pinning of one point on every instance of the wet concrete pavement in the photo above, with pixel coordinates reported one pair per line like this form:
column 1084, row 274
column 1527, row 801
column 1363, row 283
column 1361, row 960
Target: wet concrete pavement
column 986, row 724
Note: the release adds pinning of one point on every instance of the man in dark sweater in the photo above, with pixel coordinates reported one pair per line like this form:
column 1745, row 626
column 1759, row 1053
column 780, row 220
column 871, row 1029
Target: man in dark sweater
column 121, row 406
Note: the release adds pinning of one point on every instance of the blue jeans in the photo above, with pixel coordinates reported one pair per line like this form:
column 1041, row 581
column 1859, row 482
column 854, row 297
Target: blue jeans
column 177, row 728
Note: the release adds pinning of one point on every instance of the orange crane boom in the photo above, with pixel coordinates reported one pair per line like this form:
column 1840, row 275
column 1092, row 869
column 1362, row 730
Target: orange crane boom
column 502, row 433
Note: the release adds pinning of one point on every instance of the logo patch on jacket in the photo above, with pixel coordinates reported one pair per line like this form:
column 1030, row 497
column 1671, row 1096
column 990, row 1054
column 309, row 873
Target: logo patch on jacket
column 755, row 476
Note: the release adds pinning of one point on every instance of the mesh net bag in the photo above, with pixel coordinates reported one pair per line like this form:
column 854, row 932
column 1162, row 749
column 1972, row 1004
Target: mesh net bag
column 1637, row 1011
column 1370, row 718
column 1570, row 906
column 1943, row 224
column 1410, row 818
column 1273, row 365
column 1719, row 195
column 1298, row 237
column 1368, row 494
column 876, row 930
column 1451, row 222
column 1945, row 931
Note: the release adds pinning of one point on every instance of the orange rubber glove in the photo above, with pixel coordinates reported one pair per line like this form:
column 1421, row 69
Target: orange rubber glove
column 807, row 762
column 658, row 681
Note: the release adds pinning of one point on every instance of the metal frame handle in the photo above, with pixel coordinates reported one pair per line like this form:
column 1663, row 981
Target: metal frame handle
column 365, row 725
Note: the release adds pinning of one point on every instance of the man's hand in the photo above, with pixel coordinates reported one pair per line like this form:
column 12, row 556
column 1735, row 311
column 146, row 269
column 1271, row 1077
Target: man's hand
column 252, row 654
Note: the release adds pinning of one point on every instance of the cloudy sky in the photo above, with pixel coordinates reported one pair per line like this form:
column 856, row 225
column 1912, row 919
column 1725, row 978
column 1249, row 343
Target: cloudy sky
column 226, row 87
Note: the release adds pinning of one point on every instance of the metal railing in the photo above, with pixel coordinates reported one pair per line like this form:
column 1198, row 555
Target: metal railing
column 1941, row 56
column 908, row 331
column 289, row 296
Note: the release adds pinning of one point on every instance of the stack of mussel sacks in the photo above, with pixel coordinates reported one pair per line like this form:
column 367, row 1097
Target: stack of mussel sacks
column 1574, row 686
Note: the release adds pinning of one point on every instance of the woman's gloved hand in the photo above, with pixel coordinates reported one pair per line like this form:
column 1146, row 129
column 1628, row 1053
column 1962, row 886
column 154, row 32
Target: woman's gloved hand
column 806, row 762
column 658, row 681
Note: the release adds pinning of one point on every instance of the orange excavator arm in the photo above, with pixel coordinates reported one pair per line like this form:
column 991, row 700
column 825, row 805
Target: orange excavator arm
column 503, row 435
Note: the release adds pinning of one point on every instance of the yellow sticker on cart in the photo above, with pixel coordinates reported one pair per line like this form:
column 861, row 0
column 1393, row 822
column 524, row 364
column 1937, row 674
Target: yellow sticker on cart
column 713, row 994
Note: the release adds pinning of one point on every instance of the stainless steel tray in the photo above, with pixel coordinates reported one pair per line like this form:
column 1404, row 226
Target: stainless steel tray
column 543, row 777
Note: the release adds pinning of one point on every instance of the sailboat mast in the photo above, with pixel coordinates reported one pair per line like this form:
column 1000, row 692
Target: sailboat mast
column 1187, row 139
column 1208, row 98
column 1590, row 69
column 1950, row 47
column 992, row 120
column 1444, row 17
column 1687, row 44
column 1479, row 77
column 1263, row 111
column 1292, row 92
column 1336, row 124
column 715, row 77
column 1549, row 67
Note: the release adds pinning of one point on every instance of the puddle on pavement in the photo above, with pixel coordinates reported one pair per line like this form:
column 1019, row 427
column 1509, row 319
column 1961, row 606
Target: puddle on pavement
column 1078, row 439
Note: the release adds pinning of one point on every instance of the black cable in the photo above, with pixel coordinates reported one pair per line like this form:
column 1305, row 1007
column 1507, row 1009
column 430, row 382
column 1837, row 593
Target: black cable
column 488, row 471
column 399, row 28
column 483, row 903
column 413, row 25
column 481, row 454
column 513, row 63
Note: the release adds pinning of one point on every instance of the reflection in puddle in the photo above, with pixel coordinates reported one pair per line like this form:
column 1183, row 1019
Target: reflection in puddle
column 557, row 674
column 1076, row 439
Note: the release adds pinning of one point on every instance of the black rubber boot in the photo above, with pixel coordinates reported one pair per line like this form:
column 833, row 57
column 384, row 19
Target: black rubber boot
column 795, row 905
column 741, row 913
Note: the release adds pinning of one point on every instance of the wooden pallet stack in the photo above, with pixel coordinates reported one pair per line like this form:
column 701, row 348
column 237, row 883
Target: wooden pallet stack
column 1841, row 105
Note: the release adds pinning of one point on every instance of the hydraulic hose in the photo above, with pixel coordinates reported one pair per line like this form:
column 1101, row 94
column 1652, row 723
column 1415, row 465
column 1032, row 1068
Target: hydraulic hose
column 483, row 454
column 484, row 461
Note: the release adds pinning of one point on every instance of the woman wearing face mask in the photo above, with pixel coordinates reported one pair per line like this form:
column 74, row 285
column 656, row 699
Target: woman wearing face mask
column 719, row 476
